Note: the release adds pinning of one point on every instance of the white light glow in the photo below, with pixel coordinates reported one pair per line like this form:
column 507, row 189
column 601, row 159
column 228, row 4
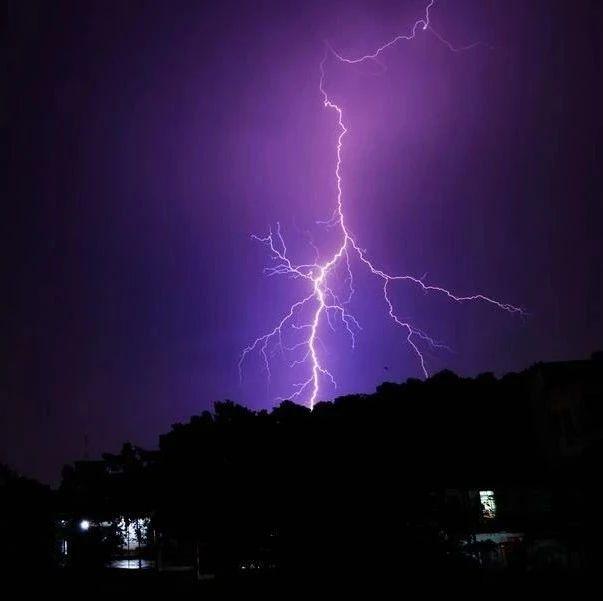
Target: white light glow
column 488, row 503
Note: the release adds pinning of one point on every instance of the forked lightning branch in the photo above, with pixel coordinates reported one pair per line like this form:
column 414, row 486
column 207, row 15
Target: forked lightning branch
column 323, row 305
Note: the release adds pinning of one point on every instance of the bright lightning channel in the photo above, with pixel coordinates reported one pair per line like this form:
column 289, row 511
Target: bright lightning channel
column 326, row 304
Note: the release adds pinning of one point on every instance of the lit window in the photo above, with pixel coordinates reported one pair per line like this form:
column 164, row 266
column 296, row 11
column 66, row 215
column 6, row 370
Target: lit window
column 134, row 533
column 488, row 503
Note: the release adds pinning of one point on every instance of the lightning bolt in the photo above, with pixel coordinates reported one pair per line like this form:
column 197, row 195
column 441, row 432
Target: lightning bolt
column 322, row 302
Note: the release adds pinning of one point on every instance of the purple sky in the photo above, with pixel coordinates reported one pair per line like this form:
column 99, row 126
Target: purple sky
column 147, row 141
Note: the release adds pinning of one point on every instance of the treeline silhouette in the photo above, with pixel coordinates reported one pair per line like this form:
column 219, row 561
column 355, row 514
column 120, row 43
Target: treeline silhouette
column 356, row 486
column 26, row 522
column 346, row 486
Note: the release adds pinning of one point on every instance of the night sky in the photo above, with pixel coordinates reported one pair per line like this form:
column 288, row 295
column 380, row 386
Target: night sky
column 146, row 141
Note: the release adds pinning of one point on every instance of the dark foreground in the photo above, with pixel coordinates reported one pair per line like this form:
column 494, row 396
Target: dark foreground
column 481, row 585
column 449, row 486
